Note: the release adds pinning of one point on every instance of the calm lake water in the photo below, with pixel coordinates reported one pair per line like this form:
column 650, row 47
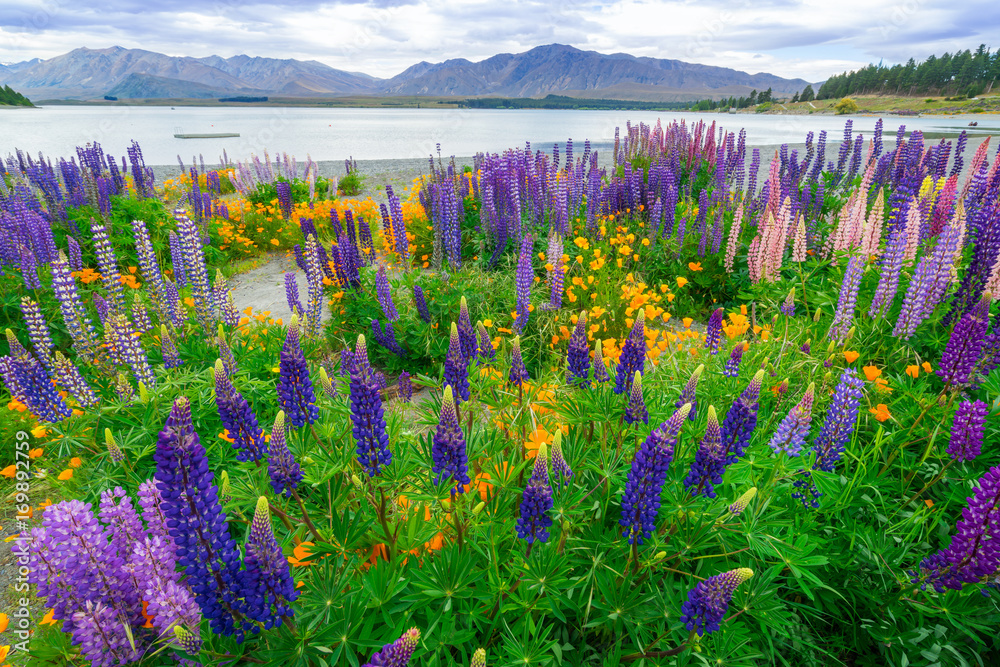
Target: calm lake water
column 373, row 134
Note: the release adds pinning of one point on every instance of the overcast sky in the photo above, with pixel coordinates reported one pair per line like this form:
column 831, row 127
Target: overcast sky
column 793, row 38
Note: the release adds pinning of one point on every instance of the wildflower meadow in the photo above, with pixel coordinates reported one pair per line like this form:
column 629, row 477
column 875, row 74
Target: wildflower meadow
column 677, row 406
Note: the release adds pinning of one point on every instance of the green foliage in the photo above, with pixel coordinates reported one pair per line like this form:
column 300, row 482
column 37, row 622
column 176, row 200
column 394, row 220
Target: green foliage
column 352, row 184
column 10, row 97
column 845, row 106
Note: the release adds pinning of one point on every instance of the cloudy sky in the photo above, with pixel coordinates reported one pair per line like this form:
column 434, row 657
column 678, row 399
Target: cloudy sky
column 794, row 38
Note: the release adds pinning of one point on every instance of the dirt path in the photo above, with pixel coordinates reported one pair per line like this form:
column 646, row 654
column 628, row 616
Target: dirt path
column 263, row 287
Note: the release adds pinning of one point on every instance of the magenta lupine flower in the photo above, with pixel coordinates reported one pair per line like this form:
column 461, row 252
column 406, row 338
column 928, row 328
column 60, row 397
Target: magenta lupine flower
column 578, row 354
column 384, row 293
column 641, row 500
column 708, row 602
column 713, row 332
column 295, row 390
column 600, row 369
column 534, row 521
column 421, row 301
column 198, row 524
column 38, row 330
column 292, row 295
column 633, row 356
column 282, row 467
column 456, row 367
column 974, row 551
column 967, row 430
column 171, row 359
column 518, row 373
column 397, row 653
column 523, row 278
column 238, row 418
column 793, row 429
column 367, row 414
column 709, row 461
column 635, row 410
column 559, row 465
column 965, row 345
column 68, row 377
column 448, row 449
column 732, row 368
column 466, row 334
column 404, row 386
column 689, row 394
column 843, row 319
column 269, row 589
column 485, row 353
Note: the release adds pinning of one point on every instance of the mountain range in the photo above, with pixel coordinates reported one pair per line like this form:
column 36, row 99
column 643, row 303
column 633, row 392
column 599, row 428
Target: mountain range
column 84, row 74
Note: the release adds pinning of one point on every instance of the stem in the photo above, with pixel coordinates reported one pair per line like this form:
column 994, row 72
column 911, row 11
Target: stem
column 323, row 446
column 926, row 486
column 305, row 516
column 455, row 506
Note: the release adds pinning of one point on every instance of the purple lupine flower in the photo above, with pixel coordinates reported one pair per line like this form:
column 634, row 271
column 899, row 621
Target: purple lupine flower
column 633, row 356
column 238, row 418
column 384, row 292
column 108, row 265
column 635, row 410
column 197, row 523
column 68, row 377
column 556, row 287
column 194, row 267
column 282, row 467
column 139, row 315
column 283, row 189
column 708, row 602
column 404, row 387
column 967, row 430
column 448, row 449
column 466, row 334
column 641, row 500
column 292, row 295
column 689, row 394
column 974, row 551
column 34, row 388
column 295, row 390
column 75, row 254
column 171, row 359
column 102, row 308
column 713, row 332
column 732, row 368
column 269, row 589
column 38, row 330
column 226, row 352
column 225, row 302
column 523, row 278
column 74, row 314
column 518, row 373
column 838, row 425
column 709, row 460
column 741, row 420
column 892, row 263
column 787, row 307
column 485, row 353
column 806, row 347
column 115, row 452
column 177, row 259
column 367, row 414
column 843, row 319
column 964, row 348
column 600, row 369
column 314, row 276
column 29, row 268
column 456, row 367
column 119, row 333
column 421, row 302
column 397, row 653
column 534, row 521
column 386, row 337
column 793, row 429
column 578, row 354
column 169, row 601
column 559, row 465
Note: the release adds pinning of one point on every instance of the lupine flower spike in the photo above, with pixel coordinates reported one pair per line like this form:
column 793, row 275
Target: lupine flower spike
column 578, row 356
column 534, row 521
column 967, row 430
column 295, row 390
column 559, row 466
column 732, row 368
column 636, row 410
column 633, row 356
column 689, row 393
column 738, row 507
column 793, row 429
column 713, row 332
column 466, row 334
column 367, row 414
column 405, row 387
column 396, row 654
column 788, row 306
column 600, row 369
column 456, row 367
column 518, row 373
column 269, row 588
column 282, row 467
column 709, row 460
column 114, row 451
column 708, row 602
column 448, row 448
column 641, row 500
column 485, row 353
column 478, row 658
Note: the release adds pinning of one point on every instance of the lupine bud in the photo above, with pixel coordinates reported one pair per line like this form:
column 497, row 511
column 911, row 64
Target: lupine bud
column 478, row 658
column 689, row 393
column 478, row 508
column 817, row 315
column 635, row 410
column 328, row 387
column 534, row 521
column 743, row 501
column 396, row 654
column 559, row 465
column 456, row 367
column 225, row 488
column 518, row 373
column 114, row 451
column 143, row 394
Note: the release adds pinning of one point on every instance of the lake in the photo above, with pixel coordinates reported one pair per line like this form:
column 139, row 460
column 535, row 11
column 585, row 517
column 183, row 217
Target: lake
column 374, row 134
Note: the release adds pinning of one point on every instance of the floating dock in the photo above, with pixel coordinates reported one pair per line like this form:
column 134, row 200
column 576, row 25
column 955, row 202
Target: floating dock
column 210, row 135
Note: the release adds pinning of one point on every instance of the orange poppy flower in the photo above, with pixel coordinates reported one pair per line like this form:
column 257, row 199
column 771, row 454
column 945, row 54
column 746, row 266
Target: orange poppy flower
column 851, row 356
column 881, row 412
column 927, row 367
column 871, row 372
column 913, row 371
column 75, row 462
column 10, row 472
column 681, row 282
column 694, row 266
column 66, row 474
